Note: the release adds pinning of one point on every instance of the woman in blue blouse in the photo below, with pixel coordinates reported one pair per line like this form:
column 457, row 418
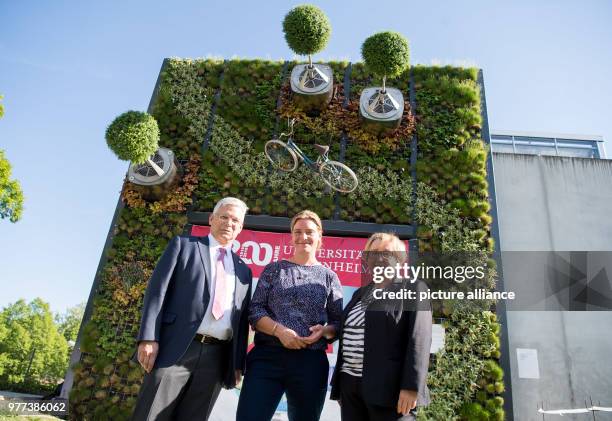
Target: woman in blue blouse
column 295, row 312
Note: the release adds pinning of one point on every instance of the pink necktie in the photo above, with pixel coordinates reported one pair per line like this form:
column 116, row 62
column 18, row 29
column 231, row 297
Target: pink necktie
column 217, row 309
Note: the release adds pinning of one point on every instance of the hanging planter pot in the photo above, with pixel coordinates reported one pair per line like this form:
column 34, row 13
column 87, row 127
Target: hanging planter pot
column 381, row 108
column 381, row 111
column 307, row 31
column 157, row 176
column 134, row 137
column 312, row 86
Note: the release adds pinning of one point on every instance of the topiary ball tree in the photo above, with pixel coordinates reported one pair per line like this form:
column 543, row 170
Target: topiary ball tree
column 133, row 136
column 386, row 54
column 307, row 30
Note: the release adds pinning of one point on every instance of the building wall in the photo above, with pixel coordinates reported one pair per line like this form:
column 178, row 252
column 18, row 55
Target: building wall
column 557, row 204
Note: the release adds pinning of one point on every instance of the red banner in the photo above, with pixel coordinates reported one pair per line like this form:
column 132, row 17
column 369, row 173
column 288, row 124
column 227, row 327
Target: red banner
column 258, row 248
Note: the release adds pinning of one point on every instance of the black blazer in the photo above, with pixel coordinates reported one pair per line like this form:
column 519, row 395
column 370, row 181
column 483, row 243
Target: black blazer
column 396, row 351
column 172, row 311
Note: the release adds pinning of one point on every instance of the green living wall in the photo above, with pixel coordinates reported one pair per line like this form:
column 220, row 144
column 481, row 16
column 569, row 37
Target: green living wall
column 216, row 116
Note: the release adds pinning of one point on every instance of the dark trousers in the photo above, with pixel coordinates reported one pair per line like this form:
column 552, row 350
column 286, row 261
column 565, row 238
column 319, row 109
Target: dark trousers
column 274, row 370
column 186, row 390
column 354, row 408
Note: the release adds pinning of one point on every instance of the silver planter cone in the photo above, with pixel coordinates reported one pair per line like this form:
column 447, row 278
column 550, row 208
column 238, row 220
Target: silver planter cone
column 381, row 111
column 312, row 86
column 148, row 181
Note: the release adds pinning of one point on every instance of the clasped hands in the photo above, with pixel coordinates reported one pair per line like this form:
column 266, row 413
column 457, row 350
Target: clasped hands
column 290, row 339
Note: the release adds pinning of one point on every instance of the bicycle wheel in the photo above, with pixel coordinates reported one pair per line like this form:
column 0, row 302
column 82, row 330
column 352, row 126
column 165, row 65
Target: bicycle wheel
column 338, row 176
column 279, row 154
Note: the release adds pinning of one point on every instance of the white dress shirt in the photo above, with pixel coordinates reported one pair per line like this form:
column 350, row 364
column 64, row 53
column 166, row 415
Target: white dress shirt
column 222, row 328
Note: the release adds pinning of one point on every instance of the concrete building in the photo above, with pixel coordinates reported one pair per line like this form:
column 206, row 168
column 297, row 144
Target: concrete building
column 551, row 144
column 554, row 194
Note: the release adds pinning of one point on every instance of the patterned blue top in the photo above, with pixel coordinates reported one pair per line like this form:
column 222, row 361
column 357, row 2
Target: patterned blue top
column 297, row 297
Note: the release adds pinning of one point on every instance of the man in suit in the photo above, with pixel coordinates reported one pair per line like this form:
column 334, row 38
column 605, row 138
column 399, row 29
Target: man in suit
column 194, row 328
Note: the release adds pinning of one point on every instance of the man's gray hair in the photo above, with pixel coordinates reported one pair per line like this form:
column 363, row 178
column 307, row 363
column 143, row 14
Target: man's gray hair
column 231, row 201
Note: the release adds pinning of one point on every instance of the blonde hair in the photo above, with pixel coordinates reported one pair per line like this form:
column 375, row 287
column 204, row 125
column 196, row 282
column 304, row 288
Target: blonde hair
column 307, row 214
column 311, row 216
column 399, row 248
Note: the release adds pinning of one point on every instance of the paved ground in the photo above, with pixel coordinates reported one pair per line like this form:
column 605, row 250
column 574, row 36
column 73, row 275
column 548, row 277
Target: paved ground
column 13, row 395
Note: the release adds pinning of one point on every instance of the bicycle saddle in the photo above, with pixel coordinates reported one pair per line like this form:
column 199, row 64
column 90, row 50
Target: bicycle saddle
column 322, row 149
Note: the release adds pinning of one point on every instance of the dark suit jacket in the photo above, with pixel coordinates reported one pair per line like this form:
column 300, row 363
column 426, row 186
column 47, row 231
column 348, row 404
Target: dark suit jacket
column 177, row 297
column 396, row 352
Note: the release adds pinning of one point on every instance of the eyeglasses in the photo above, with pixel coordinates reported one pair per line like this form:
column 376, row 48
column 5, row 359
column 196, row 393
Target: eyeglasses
column 380, row 255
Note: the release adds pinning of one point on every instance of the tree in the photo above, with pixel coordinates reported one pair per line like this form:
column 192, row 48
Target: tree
column 11, row 196
column 386, row 54
column 3, row 356
column 307, row 30
column 68, row 323
column 34, row 355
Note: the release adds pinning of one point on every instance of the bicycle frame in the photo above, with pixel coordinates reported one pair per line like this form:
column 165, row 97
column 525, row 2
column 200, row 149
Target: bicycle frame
column 309, row 162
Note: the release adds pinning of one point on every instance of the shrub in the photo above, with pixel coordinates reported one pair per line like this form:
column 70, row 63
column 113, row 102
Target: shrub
column 386, row 53
column 307, row 29
column 133, row 136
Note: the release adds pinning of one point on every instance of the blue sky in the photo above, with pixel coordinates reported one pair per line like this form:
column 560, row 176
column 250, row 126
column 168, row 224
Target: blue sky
column 67, row 68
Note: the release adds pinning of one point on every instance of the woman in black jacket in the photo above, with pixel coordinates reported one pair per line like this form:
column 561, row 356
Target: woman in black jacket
column 384, row 344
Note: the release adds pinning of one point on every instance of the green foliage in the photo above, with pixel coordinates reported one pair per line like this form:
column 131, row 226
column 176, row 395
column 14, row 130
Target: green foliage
column 68, row 323
column 458, row 176
column 248, row 97
column 474, row 412
column 386, row 53
column 453, row 378
column 11, row 195
column 307, row 29
column 143, row 235
column 493, row 371
column 28, row 333
column 182, row 105
column 133, row 136
column 371, row 200
column 448, row 106
column 451, row 209
column 454, row 232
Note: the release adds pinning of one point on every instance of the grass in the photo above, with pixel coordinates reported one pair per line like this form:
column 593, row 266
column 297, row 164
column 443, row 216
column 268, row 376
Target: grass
column 8, row 416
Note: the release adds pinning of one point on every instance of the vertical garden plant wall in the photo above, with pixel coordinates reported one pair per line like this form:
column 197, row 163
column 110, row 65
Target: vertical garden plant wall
column 216, row 116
